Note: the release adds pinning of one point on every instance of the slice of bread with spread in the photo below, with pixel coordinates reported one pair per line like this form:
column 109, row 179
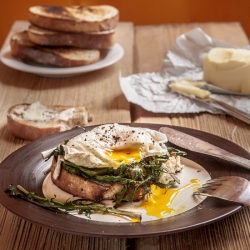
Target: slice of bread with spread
column 74, row 18
column 84, row 40
column 33, row 121
column 23, row 48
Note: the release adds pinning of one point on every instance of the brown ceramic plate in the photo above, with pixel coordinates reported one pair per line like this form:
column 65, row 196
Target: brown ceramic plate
column 27, row 168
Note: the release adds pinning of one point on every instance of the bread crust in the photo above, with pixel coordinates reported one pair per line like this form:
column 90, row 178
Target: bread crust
column 87, row 188
column 33, row 129
column 93, row 40
column 75, row 18
column 23, row 48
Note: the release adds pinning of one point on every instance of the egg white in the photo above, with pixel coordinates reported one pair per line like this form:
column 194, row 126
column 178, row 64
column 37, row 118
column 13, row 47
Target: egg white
column 111, row 145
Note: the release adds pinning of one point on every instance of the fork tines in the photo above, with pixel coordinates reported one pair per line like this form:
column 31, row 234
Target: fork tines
column 210, row 185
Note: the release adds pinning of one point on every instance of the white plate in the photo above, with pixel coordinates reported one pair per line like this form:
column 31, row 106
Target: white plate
column 108, row 57
column 181, row 201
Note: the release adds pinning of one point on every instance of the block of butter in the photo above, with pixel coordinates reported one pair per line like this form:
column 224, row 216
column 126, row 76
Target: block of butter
column 228, row 69
column 190, row 88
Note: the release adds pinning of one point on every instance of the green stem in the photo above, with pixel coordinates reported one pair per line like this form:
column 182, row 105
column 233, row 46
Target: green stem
column 22, row 193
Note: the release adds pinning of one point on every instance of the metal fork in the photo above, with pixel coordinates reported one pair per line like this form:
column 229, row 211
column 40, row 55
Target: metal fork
column 231, row 188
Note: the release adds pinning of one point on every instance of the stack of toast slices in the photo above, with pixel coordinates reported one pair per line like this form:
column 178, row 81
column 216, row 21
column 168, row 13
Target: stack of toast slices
column 66, row 36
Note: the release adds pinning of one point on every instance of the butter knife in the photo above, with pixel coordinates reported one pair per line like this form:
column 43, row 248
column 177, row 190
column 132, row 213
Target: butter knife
column 196, row 145
column 228, row 109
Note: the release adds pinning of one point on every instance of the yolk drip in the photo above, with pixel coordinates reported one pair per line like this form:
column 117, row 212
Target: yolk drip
column 194, row 181
column 160, row 200
column 124, row 156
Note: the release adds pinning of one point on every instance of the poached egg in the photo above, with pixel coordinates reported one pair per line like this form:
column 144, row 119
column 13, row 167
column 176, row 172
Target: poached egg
column 112, row 145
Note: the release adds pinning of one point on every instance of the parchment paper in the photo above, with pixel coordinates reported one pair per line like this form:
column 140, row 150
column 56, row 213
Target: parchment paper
column 184, row 60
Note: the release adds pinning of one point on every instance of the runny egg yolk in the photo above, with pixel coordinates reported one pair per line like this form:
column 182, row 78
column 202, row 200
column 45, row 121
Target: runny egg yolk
column 124, row 156
column 160, row 200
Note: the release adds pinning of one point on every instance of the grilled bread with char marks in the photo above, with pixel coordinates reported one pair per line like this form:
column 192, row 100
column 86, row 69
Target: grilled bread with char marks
column 88, row 189
column 74, row 18
column 84, row 40
column 23, row 48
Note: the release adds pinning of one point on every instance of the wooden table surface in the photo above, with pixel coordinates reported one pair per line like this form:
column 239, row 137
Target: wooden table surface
column 145, row 48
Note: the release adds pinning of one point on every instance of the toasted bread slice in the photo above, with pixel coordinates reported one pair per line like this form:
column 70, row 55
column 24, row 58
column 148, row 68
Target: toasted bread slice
column 75, row 18
column 91, row 40
column 24, row 49
column 33, row 121
column 89, row 189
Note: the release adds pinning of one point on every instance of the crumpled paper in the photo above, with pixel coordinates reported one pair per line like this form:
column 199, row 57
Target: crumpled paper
column 184, row 60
